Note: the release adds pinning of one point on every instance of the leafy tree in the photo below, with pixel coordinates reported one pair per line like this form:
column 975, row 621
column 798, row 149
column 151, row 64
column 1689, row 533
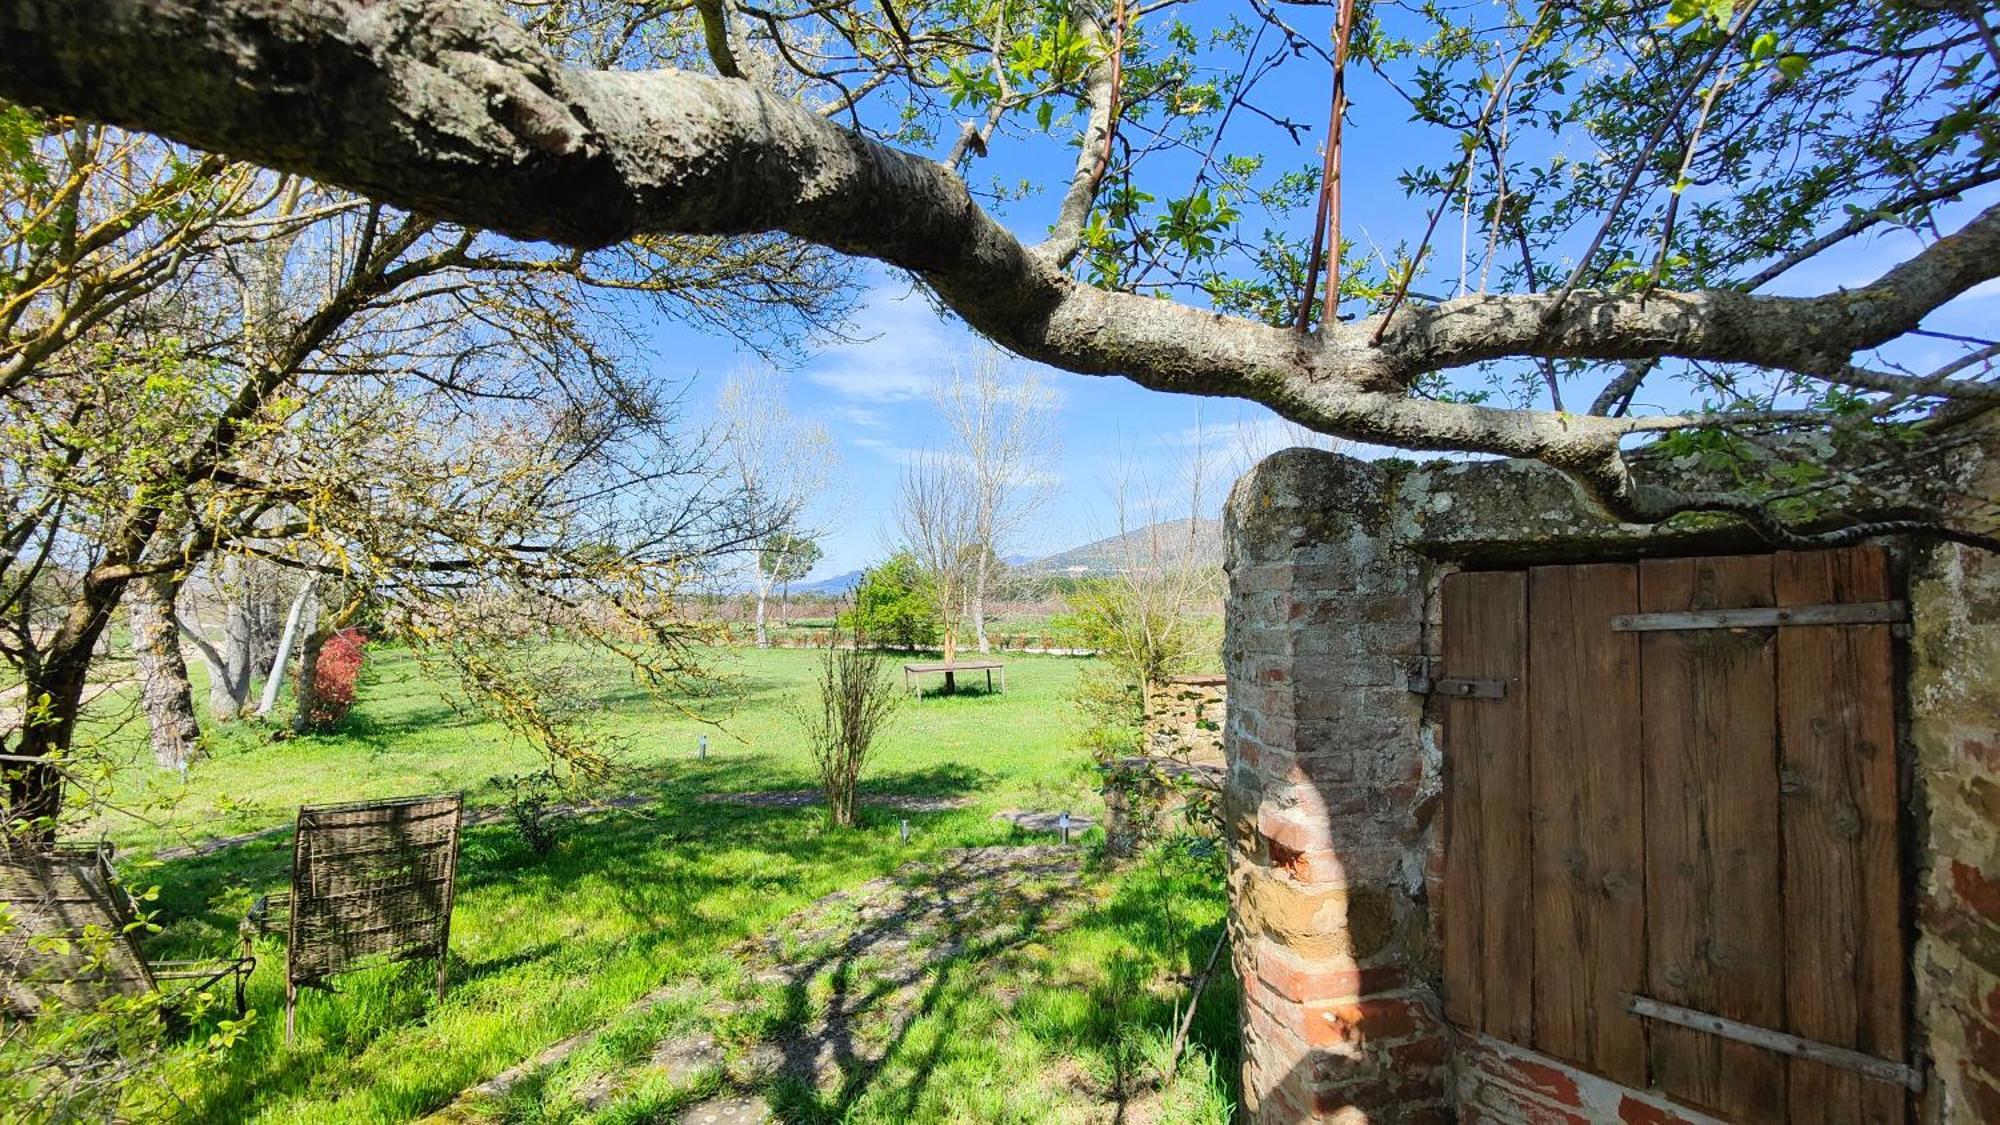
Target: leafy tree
column 1611, row 315
column 1196, row 245
column 204, row 364
column 785, row 559
column 892, row 605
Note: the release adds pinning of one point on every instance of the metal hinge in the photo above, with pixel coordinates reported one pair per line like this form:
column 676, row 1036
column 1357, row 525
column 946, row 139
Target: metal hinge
column 1764, row 617
column 1423, row 682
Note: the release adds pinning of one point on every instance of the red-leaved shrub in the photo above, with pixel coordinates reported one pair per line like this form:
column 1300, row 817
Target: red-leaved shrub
column 334, row 678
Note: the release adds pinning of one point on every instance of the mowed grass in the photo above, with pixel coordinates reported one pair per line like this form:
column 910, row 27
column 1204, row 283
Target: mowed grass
column 404, row 737
column 546, row 947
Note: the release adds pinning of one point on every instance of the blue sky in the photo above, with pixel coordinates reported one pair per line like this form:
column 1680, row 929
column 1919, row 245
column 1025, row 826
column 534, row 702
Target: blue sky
column 871, row 391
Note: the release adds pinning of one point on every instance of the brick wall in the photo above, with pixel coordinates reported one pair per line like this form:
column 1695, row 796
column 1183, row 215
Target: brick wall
column 1954, row 700
column 1328, row 801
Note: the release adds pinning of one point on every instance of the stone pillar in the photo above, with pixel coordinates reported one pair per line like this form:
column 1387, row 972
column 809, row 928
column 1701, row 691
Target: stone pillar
column 1954, row 701
column 1328, row 797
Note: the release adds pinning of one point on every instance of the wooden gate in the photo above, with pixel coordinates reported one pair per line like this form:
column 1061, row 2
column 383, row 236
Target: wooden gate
column 1654, row 802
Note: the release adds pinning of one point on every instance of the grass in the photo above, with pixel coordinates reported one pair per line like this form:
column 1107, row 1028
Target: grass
column 546, row 947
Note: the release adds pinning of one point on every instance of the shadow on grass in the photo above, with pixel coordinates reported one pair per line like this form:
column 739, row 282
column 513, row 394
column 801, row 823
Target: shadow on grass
column 957, row 912
column 542, row 947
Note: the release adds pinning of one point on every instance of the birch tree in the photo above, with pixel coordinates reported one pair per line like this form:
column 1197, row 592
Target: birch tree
column 780, row 463
column 1002, row 421
column 937, row 515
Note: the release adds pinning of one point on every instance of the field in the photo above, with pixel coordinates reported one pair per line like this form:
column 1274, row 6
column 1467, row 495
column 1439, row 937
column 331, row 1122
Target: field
column 1042, row 1018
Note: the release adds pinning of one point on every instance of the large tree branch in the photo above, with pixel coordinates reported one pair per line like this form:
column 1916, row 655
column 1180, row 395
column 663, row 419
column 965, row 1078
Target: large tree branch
column 447, row 108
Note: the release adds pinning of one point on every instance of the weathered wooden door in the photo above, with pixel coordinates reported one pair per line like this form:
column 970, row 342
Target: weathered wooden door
column 1650, row 797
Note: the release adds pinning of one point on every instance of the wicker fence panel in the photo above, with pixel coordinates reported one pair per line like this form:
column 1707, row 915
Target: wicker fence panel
column 372, row 880
column 65, row 891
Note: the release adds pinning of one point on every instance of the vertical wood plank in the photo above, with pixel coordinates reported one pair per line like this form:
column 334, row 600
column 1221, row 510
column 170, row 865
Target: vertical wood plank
column 1714, row 932
column 1488, row 922
column 1844, row 939
column 1586, row 769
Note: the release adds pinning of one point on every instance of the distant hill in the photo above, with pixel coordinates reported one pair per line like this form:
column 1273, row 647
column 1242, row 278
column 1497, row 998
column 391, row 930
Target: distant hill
column 837, row 586
column 1101, row 559
column 1169, row 540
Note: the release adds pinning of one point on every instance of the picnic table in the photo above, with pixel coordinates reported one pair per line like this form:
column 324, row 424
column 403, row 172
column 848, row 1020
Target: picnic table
column 913, row 673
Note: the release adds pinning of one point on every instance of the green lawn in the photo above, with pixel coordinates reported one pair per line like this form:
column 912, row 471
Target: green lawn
column 544, row 947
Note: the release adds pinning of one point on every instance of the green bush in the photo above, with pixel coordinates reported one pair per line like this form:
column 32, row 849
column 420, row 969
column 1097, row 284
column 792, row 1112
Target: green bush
column 892, row 606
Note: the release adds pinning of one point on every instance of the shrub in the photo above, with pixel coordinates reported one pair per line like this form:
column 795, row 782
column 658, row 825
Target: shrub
column 857, row 695
column 335, row 673
column 536, row 810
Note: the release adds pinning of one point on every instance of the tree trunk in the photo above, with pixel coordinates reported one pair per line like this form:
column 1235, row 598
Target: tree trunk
column 979, row 606
column 276, row 679
column 230, row 691
column 303, row 687
column 164, row 691
column 763, row 592
column 950, row 657
column 53, row 695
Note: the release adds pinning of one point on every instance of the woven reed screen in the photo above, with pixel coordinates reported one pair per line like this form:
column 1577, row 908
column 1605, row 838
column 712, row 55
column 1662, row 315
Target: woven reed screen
column 372, row 880
column 65, row 891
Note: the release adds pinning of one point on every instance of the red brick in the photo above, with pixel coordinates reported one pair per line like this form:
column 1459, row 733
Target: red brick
column 1982, row 1046
column 1550, row 1082
column 1373, row 1019
column 1976, row 890
column 1429, row 1051
column 1300, row 983
column 1984, row 1095
column 1296, row 832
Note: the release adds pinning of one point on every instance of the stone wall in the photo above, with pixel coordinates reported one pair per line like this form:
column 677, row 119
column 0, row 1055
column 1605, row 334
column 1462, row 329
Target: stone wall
column 1184, row 718
column 1954, row 702
column 1332, row 796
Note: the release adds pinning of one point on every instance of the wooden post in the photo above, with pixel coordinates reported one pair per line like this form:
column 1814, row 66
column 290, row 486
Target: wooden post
column 451, row 890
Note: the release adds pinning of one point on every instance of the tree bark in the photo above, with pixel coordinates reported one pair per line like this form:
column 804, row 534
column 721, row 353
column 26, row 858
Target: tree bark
column 230, row 691
column 276, row 679
column 165, row 694
column 763, row 639
column 53, row 696
column 978, row 609
column 304, row 688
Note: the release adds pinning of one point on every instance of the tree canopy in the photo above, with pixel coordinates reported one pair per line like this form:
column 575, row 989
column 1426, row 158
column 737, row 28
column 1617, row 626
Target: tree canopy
column 1133, row 189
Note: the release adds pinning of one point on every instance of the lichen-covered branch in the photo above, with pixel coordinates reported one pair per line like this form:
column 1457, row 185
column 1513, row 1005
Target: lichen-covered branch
column 445, row 107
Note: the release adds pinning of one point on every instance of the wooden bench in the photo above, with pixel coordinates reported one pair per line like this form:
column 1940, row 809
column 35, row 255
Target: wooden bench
column 913, row 673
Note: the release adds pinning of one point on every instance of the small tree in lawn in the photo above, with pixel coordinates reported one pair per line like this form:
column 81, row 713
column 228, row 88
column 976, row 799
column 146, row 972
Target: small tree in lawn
column 857, row 696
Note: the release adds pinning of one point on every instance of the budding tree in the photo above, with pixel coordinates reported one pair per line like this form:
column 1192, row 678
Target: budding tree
column 1002, row 422
column 780, row 465
column 937, row 516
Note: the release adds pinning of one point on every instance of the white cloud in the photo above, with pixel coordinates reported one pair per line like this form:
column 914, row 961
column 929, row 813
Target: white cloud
column 901, row 344
column 857, row 416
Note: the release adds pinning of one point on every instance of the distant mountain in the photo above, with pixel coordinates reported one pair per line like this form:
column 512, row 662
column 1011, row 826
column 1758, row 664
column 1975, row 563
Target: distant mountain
column 837, row 586
column 1170, row 541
